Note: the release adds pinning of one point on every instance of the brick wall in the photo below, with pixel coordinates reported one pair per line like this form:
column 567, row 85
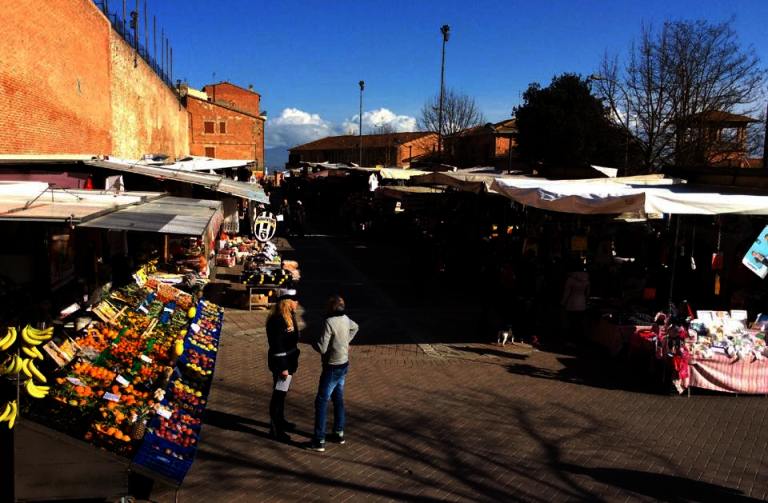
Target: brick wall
column 146, row 115
column 233, row 95
column 418, row 147
column 54, row 78
column 243, row 136
column 68, row 86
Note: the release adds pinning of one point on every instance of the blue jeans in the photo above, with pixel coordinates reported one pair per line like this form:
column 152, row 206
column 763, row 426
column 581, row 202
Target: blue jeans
column 331, row 387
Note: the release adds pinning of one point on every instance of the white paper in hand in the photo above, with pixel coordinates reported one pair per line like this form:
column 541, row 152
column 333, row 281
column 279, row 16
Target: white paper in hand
column 283, row 384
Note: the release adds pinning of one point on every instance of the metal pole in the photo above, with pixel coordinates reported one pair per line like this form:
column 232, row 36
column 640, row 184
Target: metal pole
column 154, row 40
column 171, row 60
column 626, row 147
column 360, row 122
column 674, row 257
column 146, row 31
column 162, row 50
column 136, row 29
column 765, row 141
column 445, row 29
column 125, row 10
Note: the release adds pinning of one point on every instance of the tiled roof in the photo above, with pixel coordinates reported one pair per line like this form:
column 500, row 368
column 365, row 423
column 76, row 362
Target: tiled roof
column 718, row 116
column 369, row 140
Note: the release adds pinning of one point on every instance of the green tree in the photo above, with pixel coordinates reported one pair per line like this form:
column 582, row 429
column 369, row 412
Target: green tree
column 564, row 125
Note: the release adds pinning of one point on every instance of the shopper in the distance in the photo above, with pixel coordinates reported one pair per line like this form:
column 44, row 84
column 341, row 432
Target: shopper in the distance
column 333, row 346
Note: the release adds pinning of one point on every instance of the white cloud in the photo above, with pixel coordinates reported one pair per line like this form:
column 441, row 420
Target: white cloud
column 376, row 119
column 295, row 127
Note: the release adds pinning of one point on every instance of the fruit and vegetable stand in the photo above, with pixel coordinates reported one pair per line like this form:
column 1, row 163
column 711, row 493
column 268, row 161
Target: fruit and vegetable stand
column 134, row 383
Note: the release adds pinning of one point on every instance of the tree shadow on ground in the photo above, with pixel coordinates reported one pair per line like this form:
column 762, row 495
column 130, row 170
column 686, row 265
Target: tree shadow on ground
column 589, row 369
column 661, row 487
column 491, row 352
column 234, row 422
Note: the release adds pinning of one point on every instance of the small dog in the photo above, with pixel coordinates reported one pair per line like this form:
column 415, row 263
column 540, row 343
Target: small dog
column 503, row 336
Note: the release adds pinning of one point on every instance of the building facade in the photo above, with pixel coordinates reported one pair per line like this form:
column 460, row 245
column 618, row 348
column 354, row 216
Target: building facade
column 715, row 138
column 388, row 149
column 487, row 145
column 225, row 123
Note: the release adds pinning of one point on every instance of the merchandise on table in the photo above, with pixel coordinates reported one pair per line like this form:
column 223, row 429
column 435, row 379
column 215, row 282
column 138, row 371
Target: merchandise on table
column 139, row 383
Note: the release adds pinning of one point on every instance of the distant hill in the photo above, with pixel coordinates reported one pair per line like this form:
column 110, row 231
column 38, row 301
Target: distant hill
column 276, row 157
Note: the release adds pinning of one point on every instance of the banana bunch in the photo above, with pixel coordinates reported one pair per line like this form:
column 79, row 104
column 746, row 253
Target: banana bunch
column 8, row 339
column 35, row 337
column 12, row 365
column 10, row 413
column 34, row 390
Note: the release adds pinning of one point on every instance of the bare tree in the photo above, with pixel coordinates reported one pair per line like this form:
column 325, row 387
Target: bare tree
column 674, row 77
column 460, row 112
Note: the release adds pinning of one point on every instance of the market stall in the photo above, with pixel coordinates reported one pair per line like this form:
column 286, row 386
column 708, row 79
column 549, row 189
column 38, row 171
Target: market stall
column 134, row 382
column 724, row 355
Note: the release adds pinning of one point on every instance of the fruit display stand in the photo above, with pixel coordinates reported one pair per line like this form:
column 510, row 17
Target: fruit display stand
column 138, row 385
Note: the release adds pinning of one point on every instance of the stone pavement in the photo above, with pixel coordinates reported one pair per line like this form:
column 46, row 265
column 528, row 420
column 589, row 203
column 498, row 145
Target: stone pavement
column 430, row 420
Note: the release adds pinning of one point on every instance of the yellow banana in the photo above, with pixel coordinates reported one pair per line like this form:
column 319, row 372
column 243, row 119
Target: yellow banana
column 28, row 338
column 8, row 340
column 25, row 367
column 13, row 365
column 6, row 412
column 30, row 365
column 14, row 412
column 43, row 334
column 31, row 351
column 35, row 391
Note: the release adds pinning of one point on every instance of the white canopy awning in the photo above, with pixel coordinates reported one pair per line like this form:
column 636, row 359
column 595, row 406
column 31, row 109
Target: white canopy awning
column 216, row 183
column 38, row 202
column 611, row 196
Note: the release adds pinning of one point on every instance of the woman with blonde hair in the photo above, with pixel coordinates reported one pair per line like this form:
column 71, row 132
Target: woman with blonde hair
column 283, row 360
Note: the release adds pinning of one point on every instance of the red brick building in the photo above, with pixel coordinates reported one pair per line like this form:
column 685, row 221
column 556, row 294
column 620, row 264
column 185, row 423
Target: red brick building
column 225, row 122
column 389, row 149
column 488, row 145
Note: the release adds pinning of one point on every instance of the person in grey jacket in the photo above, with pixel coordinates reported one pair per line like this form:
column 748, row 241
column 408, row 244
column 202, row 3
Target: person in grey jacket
column 333, row 346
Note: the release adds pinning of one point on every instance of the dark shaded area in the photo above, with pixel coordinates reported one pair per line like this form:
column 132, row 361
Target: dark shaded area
column 661, row 487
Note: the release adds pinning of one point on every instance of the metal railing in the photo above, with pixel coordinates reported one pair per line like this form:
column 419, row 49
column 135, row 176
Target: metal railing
column 128, row 23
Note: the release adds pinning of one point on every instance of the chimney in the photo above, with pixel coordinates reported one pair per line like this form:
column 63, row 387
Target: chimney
column 250, row 87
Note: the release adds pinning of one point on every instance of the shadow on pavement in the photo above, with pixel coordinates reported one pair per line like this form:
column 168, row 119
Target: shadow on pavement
column 491, row 352
column 233, row 422
column 661, row 487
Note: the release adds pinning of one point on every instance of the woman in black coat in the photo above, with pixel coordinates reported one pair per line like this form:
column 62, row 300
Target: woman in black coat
column 283, row 360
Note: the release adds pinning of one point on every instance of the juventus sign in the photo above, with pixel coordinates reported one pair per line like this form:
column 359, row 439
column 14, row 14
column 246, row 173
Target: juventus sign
column 264, row 227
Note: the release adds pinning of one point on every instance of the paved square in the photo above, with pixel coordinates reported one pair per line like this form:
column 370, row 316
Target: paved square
column 450, row 421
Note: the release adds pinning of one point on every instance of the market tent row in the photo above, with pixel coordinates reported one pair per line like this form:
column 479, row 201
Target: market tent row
column 614, row 196
column 462, row 180
column 38, row 202
column 213, row 182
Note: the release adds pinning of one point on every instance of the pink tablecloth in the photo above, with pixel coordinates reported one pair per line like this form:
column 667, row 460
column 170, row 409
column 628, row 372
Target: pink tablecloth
column 721, row 373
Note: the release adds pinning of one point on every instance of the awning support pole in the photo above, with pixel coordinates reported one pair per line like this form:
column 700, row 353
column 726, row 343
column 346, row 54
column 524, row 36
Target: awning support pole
column 674, row 257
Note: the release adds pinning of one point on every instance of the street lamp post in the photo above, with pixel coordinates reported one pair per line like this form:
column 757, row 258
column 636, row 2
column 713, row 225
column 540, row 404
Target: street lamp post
column 360, row 124
column 445, row 29
column 626, row 98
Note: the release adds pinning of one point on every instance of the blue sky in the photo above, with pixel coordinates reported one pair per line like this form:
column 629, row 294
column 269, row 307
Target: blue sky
column 306, row 57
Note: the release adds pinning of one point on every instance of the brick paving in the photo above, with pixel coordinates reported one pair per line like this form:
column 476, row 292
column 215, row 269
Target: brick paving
column 432, row 419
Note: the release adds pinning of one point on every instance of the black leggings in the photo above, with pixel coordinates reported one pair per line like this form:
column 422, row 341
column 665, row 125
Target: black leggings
column 277, row 405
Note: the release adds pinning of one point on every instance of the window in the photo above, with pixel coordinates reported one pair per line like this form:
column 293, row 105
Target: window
column 208, row 127
column 222, row 127
column 210, row 151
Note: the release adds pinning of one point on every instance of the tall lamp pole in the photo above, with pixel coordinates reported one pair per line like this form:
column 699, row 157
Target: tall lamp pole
column 360, row 124
column 445, row 29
